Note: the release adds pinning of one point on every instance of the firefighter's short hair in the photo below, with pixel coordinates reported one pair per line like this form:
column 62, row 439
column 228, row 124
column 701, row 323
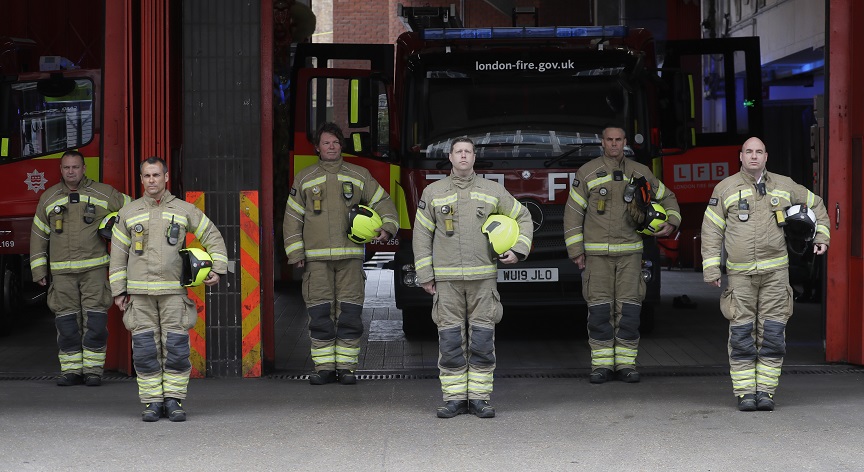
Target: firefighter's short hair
column 155, row 160
column 463, row 139
column 328, row 127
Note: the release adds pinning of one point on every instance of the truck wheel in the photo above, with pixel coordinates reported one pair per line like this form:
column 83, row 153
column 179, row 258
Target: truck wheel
column 646, row 319
column 417, row 323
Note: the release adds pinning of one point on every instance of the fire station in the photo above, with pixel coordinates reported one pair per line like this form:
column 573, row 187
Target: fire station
column 229, row 93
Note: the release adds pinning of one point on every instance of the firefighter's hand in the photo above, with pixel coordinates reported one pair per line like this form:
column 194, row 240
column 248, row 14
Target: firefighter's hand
column 43, row 281
column 383, row 236
column 820, row 249
column 715, row 283
column 579, row 261
column 665, row 229
column 121, row 301
column 508, row 258
column 299, row 264
column 429, row 287
column 212, row 279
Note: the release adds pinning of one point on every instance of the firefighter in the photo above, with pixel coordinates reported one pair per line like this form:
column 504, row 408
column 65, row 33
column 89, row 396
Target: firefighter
column 601, row 220
column 456, row 265
column 145, row 274
column 316, row 229
column 746, row 217
column 64, row 241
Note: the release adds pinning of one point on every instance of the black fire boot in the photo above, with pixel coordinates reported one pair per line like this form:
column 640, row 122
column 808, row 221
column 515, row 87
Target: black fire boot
column 452, row 408
column 174, row 410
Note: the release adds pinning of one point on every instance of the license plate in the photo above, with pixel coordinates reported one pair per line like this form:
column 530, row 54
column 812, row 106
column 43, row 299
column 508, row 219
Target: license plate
column 528, row 275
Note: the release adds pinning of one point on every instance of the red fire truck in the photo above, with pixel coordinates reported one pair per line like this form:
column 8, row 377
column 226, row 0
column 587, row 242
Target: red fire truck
column 63, row 86
column 534, row 100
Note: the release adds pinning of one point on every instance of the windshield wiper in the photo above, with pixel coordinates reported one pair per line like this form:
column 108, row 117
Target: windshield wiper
column 485, row 145
column 478, row 163
column 557, row 158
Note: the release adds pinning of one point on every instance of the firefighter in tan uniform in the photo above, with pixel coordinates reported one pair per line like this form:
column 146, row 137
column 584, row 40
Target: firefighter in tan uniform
column 601, row 238
column 316, row 238
column 456, row 266
column 64, row 240
column 145, row 275
column 746, row 211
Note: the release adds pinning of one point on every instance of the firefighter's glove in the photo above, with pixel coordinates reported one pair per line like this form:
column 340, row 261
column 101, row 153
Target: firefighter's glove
column 639, row 193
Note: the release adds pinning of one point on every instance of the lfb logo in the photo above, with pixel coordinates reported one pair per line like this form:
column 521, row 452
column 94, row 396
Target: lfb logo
column 701, row 172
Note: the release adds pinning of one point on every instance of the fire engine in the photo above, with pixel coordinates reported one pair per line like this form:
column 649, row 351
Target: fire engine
column 535, row 101
column 62, row 87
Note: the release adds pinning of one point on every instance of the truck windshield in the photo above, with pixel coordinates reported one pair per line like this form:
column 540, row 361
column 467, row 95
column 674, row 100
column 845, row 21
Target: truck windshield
column 519, row 109
column 36, row 123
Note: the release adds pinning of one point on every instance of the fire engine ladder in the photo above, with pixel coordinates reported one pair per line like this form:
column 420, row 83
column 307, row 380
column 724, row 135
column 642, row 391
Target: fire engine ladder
column 420, row 18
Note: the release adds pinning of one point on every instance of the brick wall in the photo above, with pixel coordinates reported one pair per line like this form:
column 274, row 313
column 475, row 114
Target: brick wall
column 375, row 21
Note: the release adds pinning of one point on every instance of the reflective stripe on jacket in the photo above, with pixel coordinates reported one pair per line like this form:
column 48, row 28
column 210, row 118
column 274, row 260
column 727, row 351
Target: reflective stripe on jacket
column 78, row 248
column 157, row 270
column 323, row 234
column 756, row 245
column 466, row 254
column 587, row 231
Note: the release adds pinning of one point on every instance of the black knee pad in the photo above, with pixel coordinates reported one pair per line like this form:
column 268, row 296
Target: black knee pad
column 68, row 334
column 177, row 352
column 450, row 348
column 320, row 324
column 481, row 344
column 628, row 327
column 742, row 343
column 350, row 323
column 600, row 322
column 773, row 340
column 97, row 330
column 144, row 356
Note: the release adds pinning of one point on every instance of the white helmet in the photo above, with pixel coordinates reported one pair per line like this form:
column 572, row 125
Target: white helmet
column 800, row 223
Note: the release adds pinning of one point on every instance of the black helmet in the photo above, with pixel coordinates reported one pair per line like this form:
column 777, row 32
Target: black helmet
column 800, row 228
column 800, row 223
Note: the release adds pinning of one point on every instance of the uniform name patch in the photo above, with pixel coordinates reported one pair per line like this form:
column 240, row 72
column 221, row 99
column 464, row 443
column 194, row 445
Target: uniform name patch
column 575, row 182
column 421, row 205
column 713, row 202
column 293, row 191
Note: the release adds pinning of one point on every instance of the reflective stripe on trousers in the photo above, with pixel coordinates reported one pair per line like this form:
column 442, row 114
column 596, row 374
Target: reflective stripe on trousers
column 757, row 340
column 466, row 313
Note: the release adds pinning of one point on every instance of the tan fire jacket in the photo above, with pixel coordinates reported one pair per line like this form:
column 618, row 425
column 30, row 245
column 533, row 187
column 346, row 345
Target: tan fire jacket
column 154, row 266
column 612, row 232
column 465, row 253
column 60, row 227
column 757, row 245
column 321, row 234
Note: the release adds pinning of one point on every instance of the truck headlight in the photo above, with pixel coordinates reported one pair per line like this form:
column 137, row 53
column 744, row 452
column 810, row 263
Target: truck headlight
column 647, row 273
column 409, row 276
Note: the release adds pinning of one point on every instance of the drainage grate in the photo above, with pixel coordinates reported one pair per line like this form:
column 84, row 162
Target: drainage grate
column 710, row 371
column 30, row 377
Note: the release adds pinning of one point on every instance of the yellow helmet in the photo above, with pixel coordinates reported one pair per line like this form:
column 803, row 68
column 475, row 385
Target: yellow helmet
column 196, row 266
column 362, row 224
column 502, row 231
column 107, row 225
column 654, row 215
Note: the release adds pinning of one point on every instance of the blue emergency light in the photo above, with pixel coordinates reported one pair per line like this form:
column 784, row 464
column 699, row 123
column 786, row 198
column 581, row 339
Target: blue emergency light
column 527, row 32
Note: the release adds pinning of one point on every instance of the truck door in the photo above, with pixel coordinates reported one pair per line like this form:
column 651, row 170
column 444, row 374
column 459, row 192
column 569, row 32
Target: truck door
column 722, row 107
